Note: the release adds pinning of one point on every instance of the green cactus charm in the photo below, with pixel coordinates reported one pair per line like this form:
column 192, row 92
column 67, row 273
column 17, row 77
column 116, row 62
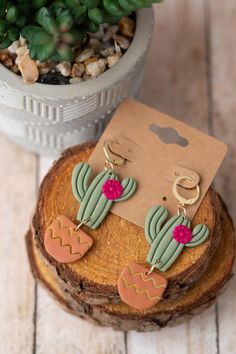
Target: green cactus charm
column 97, row 198
column 168, row 241
column 65, row 241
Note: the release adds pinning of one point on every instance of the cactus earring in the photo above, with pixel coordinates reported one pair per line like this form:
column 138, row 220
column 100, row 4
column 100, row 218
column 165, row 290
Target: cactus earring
column 67, row 242
column 142, row 288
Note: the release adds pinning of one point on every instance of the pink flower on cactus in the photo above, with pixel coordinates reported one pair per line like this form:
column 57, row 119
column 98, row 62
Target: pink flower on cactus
column 182, row 234
column 112, row 189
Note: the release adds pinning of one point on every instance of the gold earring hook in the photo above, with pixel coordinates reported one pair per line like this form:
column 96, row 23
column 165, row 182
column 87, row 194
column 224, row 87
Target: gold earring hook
column 184, row 201
column 82, row 223
column 112, row 159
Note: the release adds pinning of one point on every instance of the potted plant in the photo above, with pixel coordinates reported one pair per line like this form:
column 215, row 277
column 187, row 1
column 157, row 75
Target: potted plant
column 84, row 57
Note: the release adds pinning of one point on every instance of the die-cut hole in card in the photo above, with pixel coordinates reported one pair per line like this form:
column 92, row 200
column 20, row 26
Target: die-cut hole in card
column 157, row 148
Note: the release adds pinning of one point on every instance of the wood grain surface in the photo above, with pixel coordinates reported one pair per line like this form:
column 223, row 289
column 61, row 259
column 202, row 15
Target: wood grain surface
column 190, row 75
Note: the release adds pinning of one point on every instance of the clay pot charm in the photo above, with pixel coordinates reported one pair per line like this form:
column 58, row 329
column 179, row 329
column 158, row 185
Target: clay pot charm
column 168, row 241
column 64, row 243
column 140, row 289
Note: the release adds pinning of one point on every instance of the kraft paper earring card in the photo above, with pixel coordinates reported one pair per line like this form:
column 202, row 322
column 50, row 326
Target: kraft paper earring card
column 158, row 149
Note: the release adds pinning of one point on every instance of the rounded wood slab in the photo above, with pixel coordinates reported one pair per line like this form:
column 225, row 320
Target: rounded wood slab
column 120, row 316
column 116, row 241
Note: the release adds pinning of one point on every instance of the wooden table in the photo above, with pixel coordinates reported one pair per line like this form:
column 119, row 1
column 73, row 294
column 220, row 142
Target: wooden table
column 191, row 75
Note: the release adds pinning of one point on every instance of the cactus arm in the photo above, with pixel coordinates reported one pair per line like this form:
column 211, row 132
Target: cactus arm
column 80, row 177
column 92, row 196
column 95, row 206
column 154, row 220
column 129, row 187
column 163, row 238
column 168, row 249
column 200, row 234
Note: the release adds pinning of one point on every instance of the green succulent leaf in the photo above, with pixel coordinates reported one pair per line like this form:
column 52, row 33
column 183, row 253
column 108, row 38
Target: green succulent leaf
column 3, row 26
column 43, row 52
column 73, row 37
column 79, row 14
column 37, row 4
column 21, row 22
column 3, row 5
column 53, row 27
column 46, row 20
column 126, row 4
column 90, row 4
column 91, row 26
column 113, row 7
column 12, row 14
column 65, row 21
column 71, row 4
column 13, row 34
column 29, row 32
column 65, row 52
column 6, row 42
column 95, row 15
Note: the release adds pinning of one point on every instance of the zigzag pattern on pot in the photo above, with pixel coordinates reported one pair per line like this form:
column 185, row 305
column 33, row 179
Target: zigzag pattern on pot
column 145, row 291
column 141, row 275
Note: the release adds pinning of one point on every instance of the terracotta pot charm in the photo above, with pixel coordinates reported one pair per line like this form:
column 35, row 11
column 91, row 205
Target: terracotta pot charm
column 67, row 242
column 64, row 243
column 140, row 287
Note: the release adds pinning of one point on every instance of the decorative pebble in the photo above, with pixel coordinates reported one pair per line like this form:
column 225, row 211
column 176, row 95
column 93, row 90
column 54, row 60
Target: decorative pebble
column 96, row 68
column 22, row 40
column 64, row 68
column 28, row 69
column 112, row 60
column 88, row 61
column 22, row 50
column 111, row 30
column 123, row 42
column 105, row 26
column 105, row 52
column 6, row 59
column 117, row 49
column 54, row 78
column 45, row 70
column 99, row 34
column 15, row 69
column 96, row 53
column 95, row 44
column 77, row 70
column 87, row 77
column 76, row 80
column 44, row 67
column 84, row 55
column 127, row 27
column 13, row 48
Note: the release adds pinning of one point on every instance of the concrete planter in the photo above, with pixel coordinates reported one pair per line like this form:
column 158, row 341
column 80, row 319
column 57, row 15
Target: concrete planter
column 49, row 118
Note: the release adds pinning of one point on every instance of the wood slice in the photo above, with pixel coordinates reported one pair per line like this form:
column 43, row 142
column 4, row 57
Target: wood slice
column 120, row 316
column 116, row 241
